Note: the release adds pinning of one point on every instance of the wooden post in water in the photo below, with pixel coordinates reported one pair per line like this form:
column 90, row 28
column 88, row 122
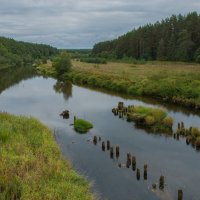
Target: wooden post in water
column 179, row 126
column 99, row 139
column 145, row 172
column 162, row 182
column 182, row 125
column 190, row 129
column 117, row 151
column 95, row 140
column 138, row 174
column 108, row 145
column 120, row 105
column 133, row 163
column 128, row 162
column 180, row 195
column 74, row 119
column 111, row 152
column 103, row 146
column 177, row 136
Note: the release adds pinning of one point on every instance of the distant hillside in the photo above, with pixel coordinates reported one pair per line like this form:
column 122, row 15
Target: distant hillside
column 14, row 53
column 176, row 38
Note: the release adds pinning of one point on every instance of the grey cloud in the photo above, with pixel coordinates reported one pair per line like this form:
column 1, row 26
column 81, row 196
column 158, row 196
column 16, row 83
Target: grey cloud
column 81, row 23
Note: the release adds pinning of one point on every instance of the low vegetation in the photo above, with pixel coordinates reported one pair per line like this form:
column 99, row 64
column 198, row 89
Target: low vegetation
column 94, row 60
column 192, row 135
column 32, row 166
column 154, row 119
column 178, row 83
column 82, row 126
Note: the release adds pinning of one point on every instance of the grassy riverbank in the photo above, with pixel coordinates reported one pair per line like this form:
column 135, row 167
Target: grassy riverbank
column 177, row 83
column 32, row 166
column 173, row 82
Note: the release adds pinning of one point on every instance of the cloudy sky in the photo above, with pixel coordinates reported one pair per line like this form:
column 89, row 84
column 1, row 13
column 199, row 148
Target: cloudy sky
column 82, row 23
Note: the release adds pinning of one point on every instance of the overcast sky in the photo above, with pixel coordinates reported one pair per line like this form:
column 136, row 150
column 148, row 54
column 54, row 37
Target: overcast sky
column 82, row 23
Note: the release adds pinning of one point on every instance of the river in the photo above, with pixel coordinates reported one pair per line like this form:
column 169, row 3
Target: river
column 45, row 99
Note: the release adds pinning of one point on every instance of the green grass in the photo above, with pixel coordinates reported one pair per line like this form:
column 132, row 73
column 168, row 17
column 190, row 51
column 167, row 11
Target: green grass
column 82, row 126
column 153, row 118
column 177, row 83
column 31, row 165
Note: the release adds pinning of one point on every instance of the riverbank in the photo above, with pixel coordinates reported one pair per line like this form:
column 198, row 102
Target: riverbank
column 177, row 83
column 32, row 166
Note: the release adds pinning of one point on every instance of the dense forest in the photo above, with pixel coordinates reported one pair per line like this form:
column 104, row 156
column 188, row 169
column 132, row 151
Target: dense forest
column 176, row 39
column 14, row 53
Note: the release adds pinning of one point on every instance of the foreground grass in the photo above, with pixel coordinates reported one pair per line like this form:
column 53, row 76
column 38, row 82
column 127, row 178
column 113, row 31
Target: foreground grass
column 178, row 83
column 31, row 164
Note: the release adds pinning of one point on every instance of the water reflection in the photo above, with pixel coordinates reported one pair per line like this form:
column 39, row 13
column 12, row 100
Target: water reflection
column 65, row 88
column 11, row 77
column 148, row 100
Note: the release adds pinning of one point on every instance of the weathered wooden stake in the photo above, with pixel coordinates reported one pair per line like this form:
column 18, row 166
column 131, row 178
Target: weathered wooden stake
column 111, row 152
column 103, row 146
column 133, row 163
column 95, row 140
column 162, row 182
column 138, row 174
column 145, row 172
column 177, row 136
column 179, row 126
column 117, row 151
column 120, row 105
column 128, row 162
column 182, row 125
column 154, row 186
column 99, row 139
column 108, row 145
column 187, row 140
column 180, row 195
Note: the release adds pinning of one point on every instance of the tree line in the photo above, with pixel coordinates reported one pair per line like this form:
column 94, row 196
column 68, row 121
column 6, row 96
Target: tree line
column 16, row 53
column 175, row 39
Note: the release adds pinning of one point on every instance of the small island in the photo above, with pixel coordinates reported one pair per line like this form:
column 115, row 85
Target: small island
column 153, row 119
column 82, row 126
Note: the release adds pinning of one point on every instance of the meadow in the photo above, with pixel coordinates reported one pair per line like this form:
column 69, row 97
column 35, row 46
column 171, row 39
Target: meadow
column 174, row 82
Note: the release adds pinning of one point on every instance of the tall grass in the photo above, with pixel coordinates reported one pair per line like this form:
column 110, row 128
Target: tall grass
column 178, row 83
column 31, row 166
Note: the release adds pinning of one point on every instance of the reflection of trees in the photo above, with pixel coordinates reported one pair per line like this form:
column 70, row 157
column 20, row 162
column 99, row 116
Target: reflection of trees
column 12, row 76
column 65, row 88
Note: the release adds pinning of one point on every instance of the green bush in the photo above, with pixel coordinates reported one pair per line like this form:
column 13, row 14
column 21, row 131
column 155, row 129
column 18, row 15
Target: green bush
column 94, row 60
column 62, row 64
column 150, row 120
column 168, row 122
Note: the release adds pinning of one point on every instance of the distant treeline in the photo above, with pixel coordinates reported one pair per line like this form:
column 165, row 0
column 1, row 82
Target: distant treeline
column 176, row 39
column 14, row 53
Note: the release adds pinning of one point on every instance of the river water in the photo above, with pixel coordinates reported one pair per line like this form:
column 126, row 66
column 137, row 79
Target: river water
column 45, row 99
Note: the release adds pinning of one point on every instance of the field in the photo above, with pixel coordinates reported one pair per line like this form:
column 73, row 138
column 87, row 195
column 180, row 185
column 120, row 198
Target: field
column 170, row 81
column 32, row 166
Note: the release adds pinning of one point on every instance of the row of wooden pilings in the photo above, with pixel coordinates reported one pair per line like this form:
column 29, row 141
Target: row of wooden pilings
column 131, row 163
